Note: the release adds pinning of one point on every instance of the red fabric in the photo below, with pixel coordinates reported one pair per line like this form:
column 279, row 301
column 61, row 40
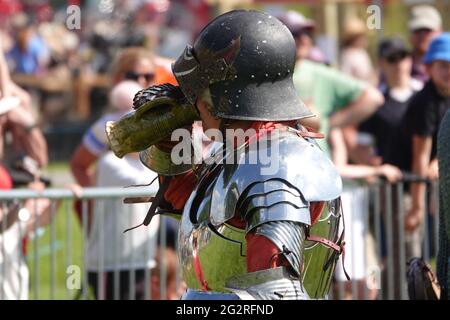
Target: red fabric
column 6, row 184
column 5, row 179
column 198, row 268
column 25, row 245
column 262, row 254
column 268, row 126
column 10, row 7
column 180, row 188
column 316, row 209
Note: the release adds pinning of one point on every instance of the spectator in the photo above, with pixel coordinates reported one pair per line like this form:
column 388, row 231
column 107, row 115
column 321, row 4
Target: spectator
column 128, row 253
column 355, row 199
column 7, row 87
column 135, row 64
column 169, row 263
column 30, row 54
column 16, row 118
column 28, row 145
column 424, row 24
column 303, row 29
column 20, row 123
column 390, row 137
column 425, row 113
column 355, row 60
column 16, row 222
column 133, row 70
column 20, row 222
column 337, row 99
column 387, row 125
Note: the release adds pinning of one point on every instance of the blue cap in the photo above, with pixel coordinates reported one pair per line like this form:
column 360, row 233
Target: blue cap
column 439, row 49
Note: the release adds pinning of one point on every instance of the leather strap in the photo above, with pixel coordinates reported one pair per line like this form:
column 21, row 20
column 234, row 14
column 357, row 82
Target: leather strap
column 339, row 247
column 155, row 203
column 325, row 242
column 307, row 132
column 157, row 200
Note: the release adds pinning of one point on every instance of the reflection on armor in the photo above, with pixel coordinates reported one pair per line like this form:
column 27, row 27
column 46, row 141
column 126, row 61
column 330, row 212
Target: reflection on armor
column 320, row 260
column 212, row 252
column 210, row 255
column 192, row 294
column 270, row 284
column 300, row 164
column 288, row 237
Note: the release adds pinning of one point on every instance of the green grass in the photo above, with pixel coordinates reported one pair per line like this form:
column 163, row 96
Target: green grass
column 66, row 251
column 57, row 166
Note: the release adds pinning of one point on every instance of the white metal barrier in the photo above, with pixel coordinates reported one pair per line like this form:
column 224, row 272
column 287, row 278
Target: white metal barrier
column 53, row 265
column 58, row 252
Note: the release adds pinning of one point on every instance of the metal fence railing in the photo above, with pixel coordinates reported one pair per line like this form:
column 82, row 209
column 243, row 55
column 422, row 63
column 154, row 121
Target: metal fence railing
column 62, row 255
column 46, row 252
column 378, row 247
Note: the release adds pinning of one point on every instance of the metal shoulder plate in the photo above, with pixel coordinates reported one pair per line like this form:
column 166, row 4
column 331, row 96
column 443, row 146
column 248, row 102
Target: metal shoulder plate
column 282, row 169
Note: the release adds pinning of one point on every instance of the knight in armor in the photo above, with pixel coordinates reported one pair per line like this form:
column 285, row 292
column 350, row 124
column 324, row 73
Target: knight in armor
column 246, row 232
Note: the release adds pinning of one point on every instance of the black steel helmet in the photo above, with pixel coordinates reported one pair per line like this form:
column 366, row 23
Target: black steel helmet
column 246, row 59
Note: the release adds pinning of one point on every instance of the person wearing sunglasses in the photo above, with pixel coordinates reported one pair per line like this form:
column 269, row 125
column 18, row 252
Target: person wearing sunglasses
column 398, row 87
column 144, row 78
column 136, row 64
column 133, row 69
column 425, row 23
column 386, row 125
column 388, row 130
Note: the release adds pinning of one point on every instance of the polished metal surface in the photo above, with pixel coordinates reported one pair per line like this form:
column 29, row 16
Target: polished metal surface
column 160, row 162
column 289, row 237
column 300, row 163
column 273, row 200
column 210, row 256
column 270, row 284
column 279, row 212
column 319, row 260
column 192, row 294
column 212, row 251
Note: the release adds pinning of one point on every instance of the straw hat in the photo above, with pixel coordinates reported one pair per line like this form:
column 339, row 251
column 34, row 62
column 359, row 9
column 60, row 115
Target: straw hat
column 353, row 28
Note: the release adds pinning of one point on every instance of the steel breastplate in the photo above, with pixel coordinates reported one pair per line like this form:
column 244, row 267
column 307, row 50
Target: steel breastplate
column 211, row 250
column 209, row 255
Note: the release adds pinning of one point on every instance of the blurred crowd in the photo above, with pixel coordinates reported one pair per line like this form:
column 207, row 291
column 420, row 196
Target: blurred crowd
column 380, row 117
column 62, row 53
column 379, row 124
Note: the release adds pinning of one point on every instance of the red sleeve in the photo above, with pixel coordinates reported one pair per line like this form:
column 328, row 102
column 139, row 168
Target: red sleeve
column 263, row 254
column 180, row 188
column 5, row 179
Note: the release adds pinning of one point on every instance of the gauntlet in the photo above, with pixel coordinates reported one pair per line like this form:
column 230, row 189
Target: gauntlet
column 158, row 111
